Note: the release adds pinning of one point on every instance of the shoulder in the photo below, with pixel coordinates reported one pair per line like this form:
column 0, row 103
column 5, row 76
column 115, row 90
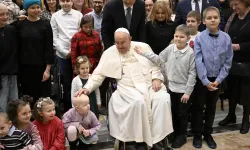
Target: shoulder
column 95, row 33
column 75, row 12
column 10, row 28
column 57, row 120
column 183, row 2
column 57, row 13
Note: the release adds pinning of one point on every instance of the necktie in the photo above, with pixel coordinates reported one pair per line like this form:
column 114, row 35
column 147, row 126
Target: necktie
column 213, row 35
column 128, row 16
column 197, row 7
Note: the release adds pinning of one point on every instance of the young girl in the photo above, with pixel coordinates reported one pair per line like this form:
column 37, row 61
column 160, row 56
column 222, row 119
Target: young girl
column 19, row 113
column 83, row 66
column 177, row 61
column 86, row 42
column 49, row 126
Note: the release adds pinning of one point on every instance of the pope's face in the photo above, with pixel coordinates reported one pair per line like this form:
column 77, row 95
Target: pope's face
column 122, row 42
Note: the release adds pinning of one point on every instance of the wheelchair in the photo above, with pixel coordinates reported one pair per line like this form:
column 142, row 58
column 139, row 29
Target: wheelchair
column 119, row 145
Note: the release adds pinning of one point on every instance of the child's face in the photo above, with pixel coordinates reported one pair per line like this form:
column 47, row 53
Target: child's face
column 84, row 69
column 83, row 107
column 180, row 39
column 5, row 126
column 87, row 28
column 24, row 114
column 212, row 21
column 48, row 112
column 66, row 5
column 193, row 24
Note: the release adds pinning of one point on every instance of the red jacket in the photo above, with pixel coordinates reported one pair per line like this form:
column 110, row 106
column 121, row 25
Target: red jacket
column 52, row 134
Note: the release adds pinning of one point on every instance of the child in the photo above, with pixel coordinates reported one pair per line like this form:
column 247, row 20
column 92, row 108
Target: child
column 83, row 66
column 10, row 137
column 177, row 61
column 86, row 42
column 193, row 22
column 213, row 57
column 81, row 124
column 49, row 126
column 19, row 113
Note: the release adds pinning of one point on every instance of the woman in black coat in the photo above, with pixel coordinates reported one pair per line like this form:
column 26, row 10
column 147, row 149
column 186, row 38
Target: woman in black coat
column 238, row 28
column 160, row 29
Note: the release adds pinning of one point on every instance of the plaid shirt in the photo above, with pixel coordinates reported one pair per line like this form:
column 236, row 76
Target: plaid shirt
column 89, row 45
column 13, row 10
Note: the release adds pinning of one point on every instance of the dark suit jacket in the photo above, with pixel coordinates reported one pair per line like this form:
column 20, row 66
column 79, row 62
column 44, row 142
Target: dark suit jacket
column 114, row 18
column 184, row 7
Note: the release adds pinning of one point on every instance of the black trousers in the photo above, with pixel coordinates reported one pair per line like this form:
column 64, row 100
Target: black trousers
column 203, row 105
column 179, row 113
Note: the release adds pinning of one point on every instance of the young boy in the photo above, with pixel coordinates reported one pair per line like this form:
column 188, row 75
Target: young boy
column 10, row 137
column 81, row 124
column 177, row 62
column 193, row 22
column 213, row 57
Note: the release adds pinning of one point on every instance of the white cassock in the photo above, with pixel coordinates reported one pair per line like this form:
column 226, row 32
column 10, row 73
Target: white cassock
column 136, row 112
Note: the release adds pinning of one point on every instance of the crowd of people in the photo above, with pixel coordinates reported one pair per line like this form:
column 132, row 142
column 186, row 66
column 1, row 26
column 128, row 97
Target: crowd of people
column 170, row 60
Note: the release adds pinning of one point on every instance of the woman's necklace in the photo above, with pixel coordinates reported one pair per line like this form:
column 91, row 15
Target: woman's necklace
column 2, row 32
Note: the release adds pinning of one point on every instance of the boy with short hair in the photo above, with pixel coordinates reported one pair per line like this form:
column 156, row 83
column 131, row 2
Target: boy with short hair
column 193, row 22
column 178, row 64
column 213, row 57
column 10, row 137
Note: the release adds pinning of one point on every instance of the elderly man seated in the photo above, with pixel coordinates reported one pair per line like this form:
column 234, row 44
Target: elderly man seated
column 140, row 109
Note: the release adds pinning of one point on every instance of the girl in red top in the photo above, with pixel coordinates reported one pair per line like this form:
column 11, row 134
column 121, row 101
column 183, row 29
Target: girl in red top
column 86, row 42
column 49, row 126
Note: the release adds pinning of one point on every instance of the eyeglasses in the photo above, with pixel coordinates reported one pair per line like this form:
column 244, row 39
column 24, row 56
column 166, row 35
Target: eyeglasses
column 121, row 43
column 148, row 5
column 235, row 5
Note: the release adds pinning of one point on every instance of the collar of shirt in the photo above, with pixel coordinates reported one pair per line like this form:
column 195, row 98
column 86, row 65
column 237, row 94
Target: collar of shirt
column 98, row 15
column 182, row 51
column 67, row 13
column 12, row 129
column 218, row 33
column 125, row 8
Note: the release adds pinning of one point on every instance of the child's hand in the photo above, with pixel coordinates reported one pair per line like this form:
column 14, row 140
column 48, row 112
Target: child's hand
column 185, row 98
column 211, row 87
column 99, row 106
column 81, row 129
column 86, row 133
column 138, row 50
column 1, row 147
column 22, row 17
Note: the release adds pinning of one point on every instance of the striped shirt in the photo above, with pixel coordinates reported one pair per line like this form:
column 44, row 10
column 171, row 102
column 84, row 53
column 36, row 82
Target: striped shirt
column 16, row 139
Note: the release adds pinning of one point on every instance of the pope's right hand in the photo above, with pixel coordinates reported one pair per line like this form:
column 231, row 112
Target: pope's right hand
column 82, row 91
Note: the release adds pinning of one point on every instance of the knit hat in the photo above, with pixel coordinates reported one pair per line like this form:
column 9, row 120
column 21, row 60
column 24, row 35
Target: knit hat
column 28, row 3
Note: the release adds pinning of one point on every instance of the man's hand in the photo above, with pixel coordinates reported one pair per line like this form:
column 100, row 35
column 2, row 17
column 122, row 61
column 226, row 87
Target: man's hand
column 236, row 47
column 138, row 50
column 156, row 85
column 99, row 106
column 82, row 91
column 185, row 98
column 211, row 87
column 46, row 76
column 86, row 133
column 1, row 147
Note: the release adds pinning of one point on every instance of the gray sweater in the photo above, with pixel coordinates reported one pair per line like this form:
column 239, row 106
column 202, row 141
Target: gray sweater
column 178, row 66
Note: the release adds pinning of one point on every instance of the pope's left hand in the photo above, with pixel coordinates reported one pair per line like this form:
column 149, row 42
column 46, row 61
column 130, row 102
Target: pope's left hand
column 156, row 85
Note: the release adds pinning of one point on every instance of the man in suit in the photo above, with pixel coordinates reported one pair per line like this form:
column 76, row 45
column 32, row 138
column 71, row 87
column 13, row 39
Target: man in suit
column 185, row 6
column 129, row 14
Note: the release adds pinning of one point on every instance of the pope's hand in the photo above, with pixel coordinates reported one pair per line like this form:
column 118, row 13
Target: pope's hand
column 82, row 91
column 138, row 50
column 156, row 85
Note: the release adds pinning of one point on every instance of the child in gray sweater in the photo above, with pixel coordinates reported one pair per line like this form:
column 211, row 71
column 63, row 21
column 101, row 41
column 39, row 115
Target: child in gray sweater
column 178, row 65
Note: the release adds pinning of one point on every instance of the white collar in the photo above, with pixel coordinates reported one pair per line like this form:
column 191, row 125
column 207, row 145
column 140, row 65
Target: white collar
column 12, row 129
column 125, row 7
column 182, row 51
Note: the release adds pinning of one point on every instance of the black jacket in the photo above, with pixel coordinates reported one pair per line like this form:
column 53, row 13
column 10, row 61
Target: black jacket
column 114, row 18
